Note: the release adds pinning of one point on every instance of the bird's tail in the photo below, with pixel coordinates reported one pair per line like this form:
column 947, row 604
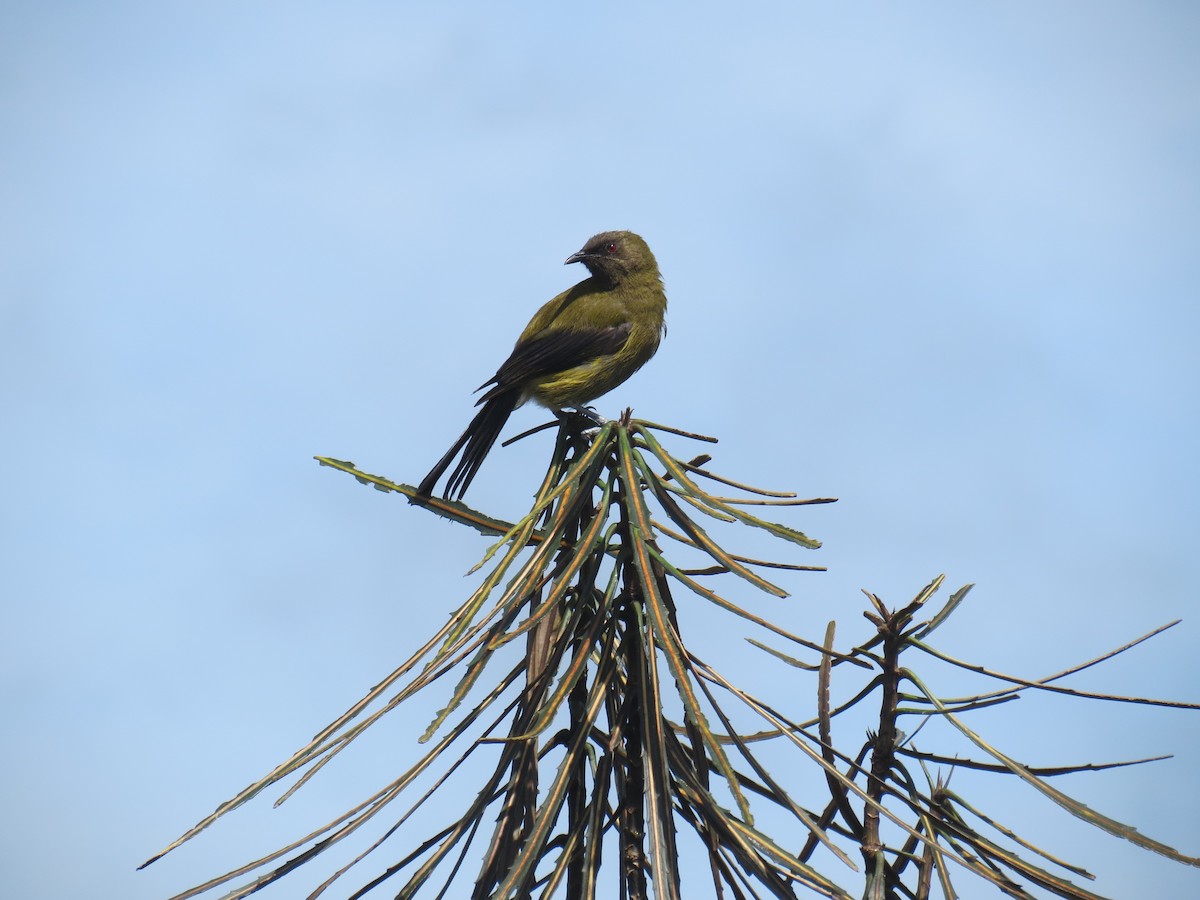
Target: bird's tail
column 478, row 439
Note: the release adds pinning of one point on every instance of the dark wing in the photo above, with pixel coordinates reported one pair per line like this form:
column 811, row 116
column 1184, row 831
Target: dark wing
column 555, row 351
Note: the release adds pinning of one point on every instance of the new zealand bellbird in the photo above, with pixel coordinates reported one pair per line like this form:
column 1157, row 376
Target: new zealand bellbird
column 581, row 344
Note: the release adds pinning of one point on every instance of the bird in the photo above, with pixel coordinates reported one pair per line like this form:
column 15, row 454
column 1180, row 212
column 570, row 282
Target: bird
column 579, row 345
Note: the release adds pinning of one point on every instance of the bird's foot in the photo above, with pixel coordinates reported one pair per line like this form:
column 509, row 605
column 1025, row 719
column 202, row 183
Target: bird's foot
column 589, row 413
column 577, row 415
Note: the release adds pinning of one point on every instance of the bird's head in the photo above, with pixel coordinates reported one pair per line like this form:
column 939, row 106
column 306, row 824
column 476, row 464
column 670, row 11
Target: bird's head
column 616, row 255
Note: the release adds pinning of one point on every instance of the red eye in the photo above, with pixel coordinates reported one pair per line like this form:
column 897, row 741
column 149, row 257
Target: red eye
column 612, row 248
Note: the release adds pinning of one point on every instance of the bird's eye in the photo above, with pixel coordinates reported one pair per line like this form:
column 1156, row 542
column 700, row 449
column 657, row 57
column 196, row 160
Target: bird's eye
column 612, row 248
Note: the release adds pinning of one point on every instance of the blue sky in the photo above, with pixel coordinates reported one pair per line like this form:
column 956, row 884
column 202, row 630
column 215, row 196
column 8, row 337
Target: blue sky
column 939, row 260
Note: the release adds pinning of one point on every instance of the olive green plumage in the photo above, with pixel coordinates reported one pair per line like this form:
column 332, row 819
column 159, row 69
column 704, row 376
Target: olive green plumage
column 578, row 346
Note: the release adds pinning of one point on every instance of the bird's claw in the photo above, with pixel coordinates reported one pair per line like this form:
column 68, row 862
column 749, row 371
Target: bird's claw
column 589, row 413
column 575, row 416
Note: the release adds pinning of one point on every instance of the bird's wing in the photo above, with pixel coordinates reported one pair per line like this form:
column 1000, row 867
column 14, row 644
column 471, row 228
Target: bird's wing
column 555, row 351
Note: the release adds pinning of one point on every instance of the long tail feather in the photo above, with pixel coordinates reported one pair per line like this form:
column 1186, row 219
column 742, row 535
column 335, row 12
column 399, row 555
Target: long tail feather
column 478, row 439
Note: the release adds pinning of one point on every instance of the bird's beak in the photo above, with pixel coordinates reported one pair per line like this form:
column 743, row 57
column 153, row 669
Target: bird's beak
column 580, row 256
